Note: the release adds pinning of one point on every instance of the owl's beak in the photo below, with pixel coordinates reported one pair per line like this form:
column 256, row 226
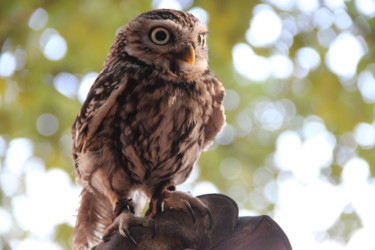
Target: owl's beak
column 189, row 55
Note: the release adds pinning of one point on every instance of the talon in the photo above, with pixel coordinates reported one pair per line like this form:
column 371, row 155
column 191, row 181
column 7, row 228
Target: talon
column 190, row 209
column 123, row 204
column 109, row 232
column 162, row 206
column 125, row 233
column 153, row 229
column 125, row 219
column 210, row 217
column 106, row 238
column 169, row 198
column 150, row 223
column 122, row 232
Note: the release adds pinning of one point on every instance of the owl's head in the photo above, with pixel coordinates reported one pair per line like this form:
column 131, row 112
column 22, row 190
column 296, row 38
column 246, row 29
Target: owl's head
column 173, row 41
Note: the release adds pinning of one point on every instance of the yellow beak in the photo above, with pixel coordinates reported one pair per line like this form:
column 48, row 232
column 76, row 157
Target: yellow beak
column 189, row 55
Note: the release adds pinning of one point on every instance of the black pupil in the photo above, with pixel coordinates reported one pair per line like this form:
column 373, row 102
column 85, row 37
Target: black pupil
column 160, row 35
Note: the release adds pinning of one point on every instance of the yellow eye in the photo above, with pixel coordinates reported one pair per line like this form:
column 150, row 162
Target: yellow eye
column 160, row 36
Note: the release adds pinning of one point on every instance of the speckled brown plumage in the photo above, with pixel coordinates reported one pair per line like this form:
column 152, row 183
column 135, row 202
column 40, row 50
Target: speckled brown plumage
column 146, row 119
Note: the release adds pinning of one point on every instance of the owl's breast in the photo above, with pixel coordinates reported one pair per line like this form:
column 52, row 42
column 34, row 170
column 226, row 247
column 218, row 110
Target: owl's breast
column 165, row 135
column 176, row 124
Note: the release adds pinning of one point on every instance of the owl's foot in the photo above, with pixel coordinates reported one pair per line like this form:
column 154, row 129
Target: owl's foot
column 124, row 219
column 171, row 199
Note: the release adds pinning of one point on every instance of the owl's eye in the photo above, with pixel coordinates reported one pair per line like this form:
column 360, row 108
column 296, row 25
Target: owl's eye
column 160, row 36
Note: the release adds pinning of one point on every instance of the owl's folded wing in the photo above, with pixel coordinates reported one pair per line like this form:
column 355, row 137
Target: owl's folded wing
column 217, row 119
column 100, row 99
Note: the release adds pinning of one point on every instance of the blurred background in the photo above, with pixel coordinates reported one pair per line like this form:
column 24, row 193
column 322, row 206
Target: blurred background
column 300, row 134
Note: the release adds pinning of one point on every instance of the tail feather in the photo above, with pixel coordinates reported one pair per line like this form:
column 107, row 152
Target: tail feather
column 94, row 216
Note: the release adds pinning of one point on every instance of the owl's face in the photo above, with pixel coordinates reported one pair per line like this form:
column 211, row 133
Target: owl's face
column 172, row 41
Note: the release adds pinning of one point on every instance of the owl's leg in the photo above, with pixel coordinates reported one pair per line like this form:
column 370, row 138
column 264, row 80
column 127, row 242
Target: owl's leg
column 169, row 198
column 124, row 219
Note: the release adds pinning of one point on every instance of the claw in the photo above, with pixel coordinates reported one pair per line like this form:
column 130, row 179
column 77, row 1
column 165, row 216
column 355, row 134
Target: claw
column 125, row 218
column 124, row 228
column 106, row 238
column 169, row 198
column 153, row 228
column 210, row 217
column 109, row 232
column 162, row 206
column 190, row 209
column 125, row 233
column 123, row 204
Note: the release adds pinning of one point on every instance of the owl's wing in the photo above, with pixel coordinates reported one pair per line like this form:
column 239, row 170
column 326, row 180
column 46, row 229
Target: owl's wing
column 217, row 119
column 100, row 99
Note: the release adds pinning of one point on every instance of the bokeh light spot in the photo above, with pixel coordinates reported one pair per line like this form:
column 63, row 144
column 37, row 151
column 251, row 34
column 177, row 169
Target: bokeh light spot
column 326, row 37
column 3, row 146
column 19, row 150
column 366, row 85
column 204, row 187
column 342, row 19
column 166, row 4
column 283, row 4
column 305, row 158
column 281, row 66
column 366, row 7
column 250, row 65
column 231, row 100
column 270, row 191
column 362, row 239
column 230, row 168
column 28, row 244
column 335, row 4
column 61, row 195
column 6, row 221
column 200, row 13
column 226, row 136
column 262, row 176
column 20, row 56
column 365, row 135
column 257, row 199
column 66, row 84
column 85, row 85
column 7, row 64
column 355, row 173
column 271, row 115
column 307, row 6
column 17, row 153
column 304, row 23
column 308, row 58
column 265, row 27
column 38, row 19
column 344, row 54
column 53, row 45
column 9, row 182
column 47, row 124
column 245, row 123
column 323, row 18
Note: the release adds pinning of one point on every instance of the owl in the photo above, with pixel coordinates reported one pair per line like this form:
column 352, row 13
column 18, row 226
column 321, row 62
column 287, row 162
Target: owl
column 154, row 107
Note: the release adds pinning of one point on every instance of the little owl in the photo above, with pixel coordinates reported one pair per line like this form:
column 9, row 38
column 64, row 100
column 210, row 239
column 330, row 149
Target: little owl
column 149, row 114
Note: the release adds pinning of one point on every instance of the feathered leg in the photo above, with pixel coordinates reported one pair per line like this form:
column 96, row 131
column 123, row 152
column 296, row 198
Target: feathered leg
column 94, row 214
column 102, row 173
